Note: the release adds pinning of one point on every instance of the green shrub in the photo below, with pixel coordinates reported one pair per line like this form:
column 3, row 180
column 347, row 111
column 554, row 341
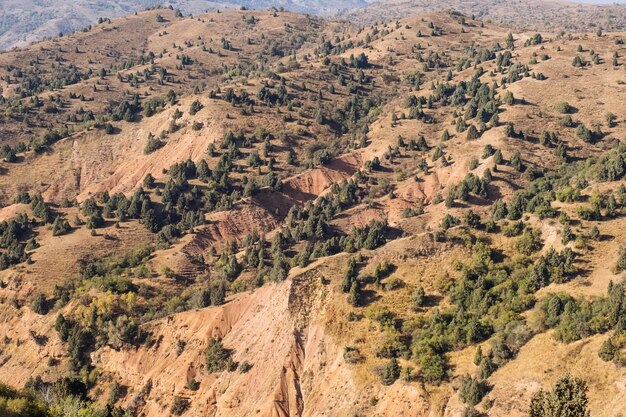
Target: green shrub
column 472, row 390
column 391, row 372
column 217, row 356
column 620, row 265
column 433, row 367
column 40, row 304
column 608, row 351
column 193, row 385
column 530, row 242
column 567, row 398
column 195, row 107
column 513, row 229
column 179, row 405
column 245, row 367
column 418, row 298
column 352, row 355
column 563, row 107
column 153, row 144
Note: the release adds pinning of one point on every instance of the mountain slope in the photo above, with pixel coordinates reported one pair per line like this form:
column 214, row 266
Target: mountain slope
column 264, row 212
column 23, row 22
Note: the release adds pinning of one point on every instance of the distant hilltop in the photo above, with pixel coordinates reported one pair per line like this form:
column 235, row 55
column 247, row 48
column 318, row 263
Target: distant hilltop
column 23, row 22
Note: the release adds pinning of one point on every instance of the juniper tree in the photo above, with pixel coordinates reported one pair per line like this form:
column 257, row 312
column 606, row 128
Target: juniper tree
column 350, row 276
column 391, row 372
column 148, row 181
column 354, row 295
column 621, row 260
column 472, row 133
column 568, row 397
column 418, row 298
column 217, row 356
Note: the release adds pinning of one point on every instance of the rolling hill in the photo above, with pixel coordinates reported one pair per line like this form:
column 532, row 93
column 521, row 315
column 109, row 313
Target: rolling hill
column 23, row 22
column 263, row 212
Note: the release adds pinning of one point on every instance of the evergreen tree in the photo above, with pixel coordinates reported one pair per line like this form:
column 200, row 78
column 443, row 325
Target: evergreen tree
column 350, row 276
column 217, row 356
column 478, row 356
column 354, row 295
column 516, row 161
column 472, row 133
column 608, row 351
column 621, row 260
column 418, row 298
column 568, row 398
column 148, row 182
column 40, row 304
column 391, row 372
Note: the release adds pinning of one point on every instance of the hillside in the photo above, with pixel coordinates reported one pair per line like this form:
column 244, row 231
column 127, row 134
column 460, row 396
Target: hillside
column 24, row 22
column 276, row 214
